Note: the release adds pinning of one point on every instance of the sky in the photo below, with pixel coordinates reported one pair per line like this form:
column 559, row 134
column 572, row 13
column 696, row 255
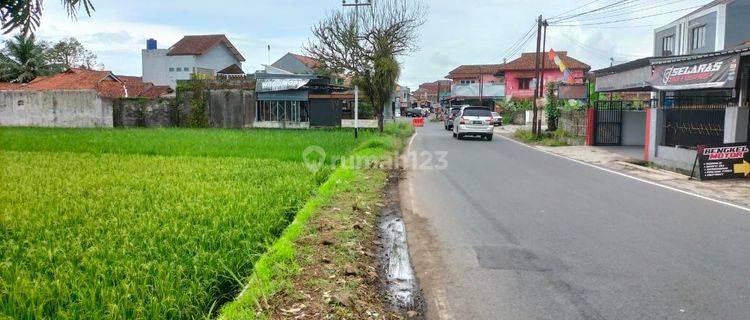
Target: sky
column 456, row 32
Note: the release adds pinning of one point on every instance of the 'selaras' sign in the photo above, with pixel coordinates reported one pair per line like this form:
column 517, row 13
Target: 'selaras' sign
column 714, row 72
column 724, row 162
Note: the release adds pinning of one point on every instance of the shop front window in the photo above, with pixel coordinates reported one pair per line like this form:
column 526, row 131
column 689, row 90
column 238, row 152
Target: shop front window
column 287, row 111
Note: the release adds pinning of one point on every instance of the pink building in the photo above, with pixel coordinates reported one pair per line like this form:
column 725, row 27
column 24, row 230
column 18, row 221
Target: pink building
column 519, row 73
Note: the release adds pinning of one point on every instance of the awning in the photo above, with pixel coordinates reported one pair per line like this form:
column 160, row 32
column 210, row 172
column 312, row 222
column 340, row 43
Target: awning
column 705, row 73
column 289, row 95
column 636, row 79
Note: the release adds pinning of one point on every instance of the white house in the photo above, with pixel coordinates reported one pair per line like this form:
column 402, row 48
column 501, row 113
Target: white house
column 200, row 54
column 718, row 25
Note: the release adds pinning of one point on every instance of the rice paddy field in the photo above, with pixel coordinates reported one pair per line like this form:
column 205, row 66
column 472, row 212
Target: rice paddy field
column 143, row 224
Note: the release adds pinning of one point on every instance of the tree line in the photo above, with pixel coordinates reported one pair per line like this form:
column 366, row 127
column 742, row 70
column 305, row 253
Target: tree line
column 24, row 58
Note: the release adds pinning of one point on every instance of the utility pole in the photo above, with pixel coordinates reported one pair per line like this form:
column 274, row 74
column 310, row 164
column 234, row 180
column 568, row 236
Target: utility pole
column 481, row 87
column 356, row 6
column 543, row 89
column 534, row 128
column 438, row 95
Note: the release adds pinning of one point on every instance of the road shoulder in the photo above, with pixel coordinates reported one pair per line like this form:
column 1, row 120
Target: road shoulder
column 731, row 192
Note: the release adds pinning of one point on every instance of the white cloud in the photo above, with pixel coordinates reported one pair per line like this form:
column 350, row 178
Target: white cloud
column 456, row 32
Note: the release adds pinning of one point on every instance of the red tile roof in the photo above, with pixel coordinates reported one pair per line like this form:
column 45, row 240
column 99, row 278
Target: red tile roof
column 310, row 62
column 197, row 45
column 474, row 70
column 527, row 61
column 104, row 82
column 10, row 86
column 432, row 87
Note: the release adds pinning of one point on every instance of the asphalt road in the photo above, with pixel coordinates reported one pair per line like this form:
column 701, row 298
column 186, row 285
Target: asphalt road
column 509, row 232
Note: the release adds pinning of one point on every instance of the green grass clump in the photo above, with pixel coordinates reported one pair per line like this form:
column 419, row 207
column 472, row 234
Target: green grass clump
column 256, row 144
column 548, row 139
column 133, row 236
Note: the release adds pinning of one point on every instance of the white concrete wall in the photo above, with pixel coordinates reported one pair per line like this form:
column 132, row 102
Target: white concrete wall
column 363, row 123
column 154, row 66
column 735, row 124
column 217, row 59
column 633, row 128
column 675, row 158
column 280, row 125
column 63, row 108
column 180, row 62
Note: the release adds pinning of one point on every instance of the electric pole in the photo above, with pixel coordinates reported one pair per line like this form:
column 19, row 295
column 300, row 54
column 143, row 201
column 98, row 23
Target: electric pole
column 542, row 89
column 534, row 128
column 481, row 86
column 356, row 6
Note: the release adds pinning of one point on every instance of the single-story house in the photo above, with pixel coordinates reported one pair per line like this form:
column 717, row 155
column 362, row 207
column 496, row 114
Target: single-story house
column 74, row 98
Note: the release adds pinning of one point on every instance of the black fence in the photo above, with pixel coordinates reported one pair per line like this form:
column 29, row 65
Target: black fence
column 690, row 126
column 699, row 102
column 626, row 104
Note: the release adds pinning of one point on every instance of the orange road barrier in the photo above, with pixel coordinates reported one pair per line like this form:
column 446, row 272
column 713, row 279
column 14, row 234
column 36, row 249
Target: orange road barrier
column 417, row 122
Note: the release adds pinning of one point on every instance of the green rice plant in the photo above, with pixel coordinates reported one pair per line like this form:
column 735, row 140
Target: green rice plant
column 257, row 144
column 121, row 236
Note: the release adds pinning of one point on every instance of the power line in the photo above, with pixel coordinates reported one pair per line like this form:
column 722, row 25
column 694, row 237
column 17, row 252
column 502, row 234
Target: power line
column 631, row 19
column 621, row 2
column 519, row 43
column 595, row 51
column 574, row 9
column 521, row 46
column 639, row 8
column 612, row 27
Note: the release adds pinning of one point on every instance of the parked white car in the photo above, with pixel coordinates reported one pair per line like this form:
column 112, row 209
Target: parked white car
column 473, row 121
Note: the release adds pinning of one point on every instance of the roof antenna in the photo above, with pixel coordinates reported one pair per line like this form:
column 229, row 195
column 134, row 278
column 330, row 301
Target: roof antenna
column 269, row 54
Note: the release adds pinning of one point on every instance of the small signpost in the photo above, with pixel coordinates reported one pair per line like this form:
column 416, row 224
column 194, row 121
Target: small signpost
column 729, row 161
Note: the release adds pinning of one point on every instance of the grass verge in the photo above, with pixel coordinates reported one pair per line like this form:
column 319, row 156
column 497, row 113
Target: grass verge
column 322, row 265
column 548, row 139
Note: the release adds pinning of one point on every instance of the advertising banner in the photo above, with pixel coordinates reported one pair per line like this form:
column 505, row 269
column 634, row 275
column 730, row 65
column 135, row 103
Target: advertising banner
column 714, row 72
column 728, row 161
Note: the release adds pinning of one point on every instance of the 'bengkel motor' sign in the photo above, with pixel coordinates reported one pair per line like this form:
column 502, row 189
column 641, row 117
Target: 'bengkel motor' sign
column 715, row 72
column 724, row 162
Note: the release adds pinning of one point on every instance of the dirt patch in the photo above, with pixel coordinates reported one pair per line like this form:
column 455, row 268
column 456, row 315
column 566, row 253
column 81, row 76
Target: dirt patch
column 339, row 272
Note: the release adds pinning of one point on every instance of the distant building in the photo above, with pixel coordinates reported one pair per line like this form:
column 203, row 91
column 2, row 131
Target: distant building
column 520, row 74
column 719, row 25
column 472, row 83
column 428, row 92
column 304, row 65
column 105, row 83
column 297, row 64
column 208, row 55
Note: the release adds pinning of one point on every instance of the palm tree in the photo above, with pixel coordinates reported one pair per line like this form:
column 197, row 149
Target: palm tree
column 23, row 59
column 26, row 14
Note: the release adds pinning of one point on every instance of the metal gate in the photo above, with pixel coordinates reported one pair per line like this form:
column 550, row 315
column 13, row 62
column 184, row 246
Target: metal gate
column 608, row 123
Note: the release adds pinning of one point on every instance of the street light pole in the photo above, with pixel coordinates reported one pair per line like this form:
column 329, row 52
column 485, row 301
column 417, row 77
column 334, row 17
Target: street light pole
column 356, row 6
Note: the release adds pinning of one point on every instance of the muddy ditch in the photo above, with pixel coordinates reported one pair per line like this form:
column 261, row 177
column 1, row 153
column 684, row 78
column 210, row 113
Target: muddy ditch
column 395, row 266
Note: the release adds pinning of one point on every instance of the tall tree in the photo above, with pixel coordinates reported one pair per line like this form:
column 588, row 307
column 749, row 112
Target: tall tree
column 23, row 59
column 366, row 45
column 26, row 14
column 70, row 53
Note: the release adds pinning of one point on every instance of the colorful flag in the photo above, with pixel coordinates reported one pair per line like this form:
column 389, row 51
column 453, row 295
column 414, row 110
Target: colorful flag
column 560, row 64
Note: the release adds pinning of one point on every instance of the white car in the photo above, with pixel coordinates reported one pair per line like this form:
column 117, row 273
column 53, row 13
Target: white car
column 473, row 121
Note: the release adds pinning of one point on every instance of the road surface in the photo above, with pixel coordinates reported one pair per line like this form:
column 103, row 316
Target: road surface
column 509, row 232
